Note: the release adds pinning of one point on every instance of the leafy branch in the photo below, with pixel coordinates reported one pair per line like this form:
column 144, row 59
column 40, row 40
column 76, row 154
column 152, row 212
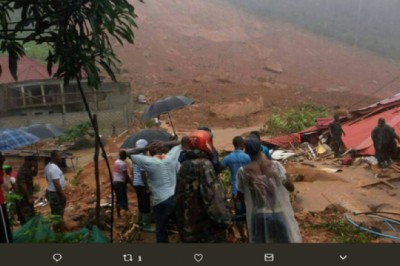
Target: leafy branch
column 78, row 34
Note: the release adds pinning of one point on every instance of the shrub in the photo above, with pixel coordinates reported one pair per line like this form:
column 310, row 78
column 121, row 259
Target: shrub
column 275, row 124
column 225, row 178
column 12, row 199
column 78, row 132
column 294, row 120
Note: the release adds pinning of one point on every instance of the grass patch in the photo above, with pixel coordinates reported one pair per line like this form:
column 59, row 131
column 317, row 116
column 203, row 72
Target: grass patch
column 344, row 232
column 39, row 52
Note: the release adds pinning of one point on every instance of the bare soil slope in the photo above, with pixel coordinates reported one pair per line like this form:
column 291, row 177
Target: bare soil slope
column 218, row 54
column 180, row 42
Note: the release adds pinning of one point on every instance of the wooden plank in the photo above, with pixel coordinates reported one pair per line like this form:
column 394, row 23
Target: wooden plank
column 308, row 164
column 324, row 156
column 386, row 182
column 395, row 167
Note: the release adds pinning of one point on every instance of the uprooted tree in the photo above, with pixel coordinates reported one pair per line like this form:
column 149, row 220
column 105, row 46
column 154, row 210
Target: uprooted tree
column 79, row 35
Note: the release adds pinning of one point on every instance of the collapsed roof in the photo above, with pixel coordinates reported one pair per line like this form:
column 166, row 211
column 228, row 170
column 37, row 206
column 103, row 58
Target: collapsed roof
column 358, row 128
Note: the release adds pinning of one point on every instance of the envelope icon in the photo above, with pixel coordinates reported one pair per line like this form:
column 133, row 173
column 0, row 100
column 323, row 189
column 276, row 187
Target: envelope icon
column 269, row 257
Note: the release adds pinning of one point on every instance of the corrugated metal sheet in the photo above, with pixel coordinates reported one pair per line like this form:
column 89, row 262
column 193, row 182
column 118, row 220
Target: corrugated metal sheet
column 285, row 140
column 392, row 101
column 358, row 135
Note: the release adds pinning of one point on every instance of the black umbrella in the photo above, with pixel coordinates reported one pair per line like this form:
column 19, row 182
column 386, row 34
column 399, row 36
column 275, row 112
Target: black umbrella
column 166, row 105
column 44, row 131
column 147, row 134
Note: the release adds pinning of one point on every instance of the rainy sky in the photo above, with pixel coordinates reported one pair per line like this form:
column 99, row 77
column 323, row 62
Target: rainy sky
column 369, row 24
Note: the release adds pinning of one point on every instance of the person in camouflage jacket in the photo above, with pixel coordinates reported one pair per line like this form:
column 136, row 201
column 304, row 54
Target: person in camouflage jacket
column 201, row 210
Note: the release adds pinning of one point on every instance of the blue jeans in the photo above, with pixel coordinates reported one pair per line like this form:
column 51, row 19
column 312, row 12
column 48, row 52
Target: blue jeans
column 162, row 214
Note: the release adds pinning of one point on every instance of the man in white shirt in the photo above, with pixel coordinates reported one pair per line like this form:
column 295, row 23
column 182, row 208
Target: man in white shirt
column 55, row 184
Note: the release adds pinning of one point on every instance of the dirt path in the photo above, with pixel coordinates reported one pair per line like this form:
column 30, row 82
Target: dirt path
column 343, row 188
column 223, row 137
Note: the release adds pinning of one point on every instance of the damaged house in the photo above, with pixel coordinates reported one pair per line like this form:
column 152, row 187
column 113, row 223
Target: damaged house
column 357, row 126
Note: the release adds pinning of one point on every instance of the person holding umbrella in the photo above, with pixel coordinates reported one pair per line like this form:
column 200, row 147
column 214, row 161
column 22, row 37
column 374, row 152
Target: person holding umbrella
column 165, row 106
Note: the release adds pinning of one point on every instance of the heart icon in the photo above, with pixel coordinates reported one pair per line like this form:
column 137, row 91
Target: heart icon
column 198, row 257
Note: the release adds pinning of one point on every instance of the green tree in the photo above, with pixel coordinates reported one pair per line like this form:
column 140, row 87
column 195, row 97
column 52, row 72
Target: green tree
column 78, row 34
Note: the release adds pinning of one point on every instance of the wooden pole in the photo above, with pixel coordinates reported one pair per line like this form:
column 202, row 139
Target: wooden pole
column 96, row 171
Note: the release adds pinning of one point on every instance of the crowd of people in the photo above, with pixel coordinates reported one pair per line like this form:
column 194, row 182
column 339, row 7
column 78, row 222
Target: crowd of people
column 182, row 187
column 179, row 186
column 22, row 184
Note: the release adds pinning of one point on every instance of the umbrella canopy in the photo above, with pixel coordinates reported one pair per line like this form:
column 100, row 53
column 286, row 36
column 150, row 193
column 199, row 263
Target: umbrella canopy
column 12, row 138
column 44, row 131
column 147, row 134
column 166, row 105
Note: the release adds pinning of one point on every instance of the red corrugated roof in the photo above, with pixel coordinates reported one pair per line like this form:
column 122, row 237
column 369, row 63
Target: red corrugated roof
column 324, row 122
column 358, row 130
column 28, row 69
column 358, row 135
column 285, row 140
column 386, row 103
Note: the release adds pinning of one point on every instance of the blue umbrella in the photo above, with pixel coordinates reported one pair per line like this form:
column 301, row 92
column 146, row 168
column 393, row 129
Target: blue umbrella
column 11, row 138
